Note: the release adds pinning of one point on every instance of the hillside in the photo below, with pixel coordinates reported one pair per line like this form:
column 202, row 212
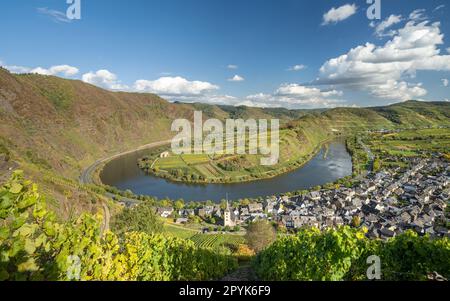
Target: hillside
column 64, row 125
column 56, row 127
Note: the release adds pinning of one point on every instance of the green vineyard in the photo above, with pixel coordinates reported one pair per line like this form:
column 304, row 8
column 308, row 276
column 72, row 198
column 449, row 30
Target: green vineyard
column 217, row 240
column 36, row 246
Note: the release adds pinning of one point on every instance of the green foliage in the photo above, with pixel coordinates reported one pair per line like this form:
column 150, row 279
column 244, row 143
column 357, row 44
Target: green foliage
column 216, row 241
column 4, row 148
column 138, row 219
column 341, row 255
column 410, row 257
column 179, row 204
column 377, row 165
column 159, row 258
column 33, row 246
column 60, row 93
column 356, row 221
column 260, row 234
column 35, row 159
column 311, row 255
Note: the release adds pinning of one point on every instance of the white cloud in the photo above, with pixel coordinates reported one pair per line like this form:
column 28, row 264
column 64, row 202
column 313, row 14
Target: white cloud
column 445, row 82
column 18, row 69
column 380, row 29
column 403, row 91
column 305, row 92
column 236, row 78
column 295, row 96
column 55, row 15
column 439, row 7
column 63, row 70
column 380, row 68
column 174, row 86
column 232, row 66
column 255, row 104
column 104, row 79
column 336, row 15
column 297, row 68
column 418, row 15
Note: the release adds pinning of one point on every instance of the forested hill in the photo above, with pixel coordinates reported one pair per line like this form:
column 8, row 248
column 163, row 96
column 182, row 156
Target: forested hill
column 64, row 125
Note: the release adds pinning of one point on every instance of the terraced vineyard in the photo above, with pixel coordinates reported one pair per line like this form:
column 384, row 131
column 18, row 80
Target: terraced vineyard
column 391, row 147
column 294, row 149
column 217, row 240
column 179, row 231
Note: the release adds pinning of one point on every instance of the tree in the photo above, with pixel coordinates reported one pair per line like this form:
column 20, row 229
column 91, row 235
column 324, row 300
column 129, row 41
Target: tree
column 179, row 204
column 245, row 202
column 260, row 235
column 129, row 193
column 165, row 203
column 356, row 221
column 139, row 219
column 194, row 219
column 377, row 165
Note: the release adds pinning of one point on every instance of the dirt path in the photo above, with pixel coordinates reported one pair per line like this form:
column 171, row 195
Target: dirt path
column 243, row 273
column 106, row 218
column 6, row 169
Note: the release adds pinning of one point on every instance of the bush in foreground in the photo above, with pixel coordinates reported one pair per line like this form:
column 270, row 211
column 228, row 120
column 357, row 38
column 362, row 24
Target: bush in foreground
column 33, row 246
column 341, row 254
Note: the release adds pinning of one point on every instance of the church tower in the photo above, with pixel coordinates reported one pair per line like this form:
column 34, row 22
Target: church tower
column 228, row 216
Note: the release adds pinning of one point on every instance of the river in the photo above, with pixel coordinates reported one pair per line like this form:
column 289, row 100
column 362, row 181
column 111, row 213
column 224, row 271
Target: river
column 124, row 174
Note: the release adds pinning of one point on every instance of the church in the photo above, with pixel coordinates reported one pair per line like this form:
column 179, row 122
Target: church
column 229, row 219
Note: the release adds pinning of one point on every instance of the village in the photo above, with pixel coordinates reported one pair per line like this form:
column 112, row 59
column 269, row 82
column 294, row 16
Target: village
column 386, row 203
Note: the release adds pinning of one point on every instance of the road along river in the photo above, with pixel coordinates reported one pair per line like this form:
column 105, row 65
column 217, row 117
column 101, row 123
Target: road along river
column 327, row 166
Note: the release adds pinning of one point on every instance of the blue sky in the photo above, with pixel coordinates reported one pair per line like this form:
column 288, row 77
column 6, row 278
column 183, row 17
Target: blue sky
column 238, row 51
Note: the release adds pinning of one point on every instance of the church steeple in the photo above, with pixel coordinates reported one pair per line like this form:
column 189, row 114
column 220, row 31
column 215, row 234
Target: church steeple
column 228, row 204
column 229, row 219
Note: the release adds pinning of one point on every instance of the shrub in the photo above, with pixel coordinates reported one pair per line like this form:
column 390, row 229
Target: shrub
column 311, row 255
column 341, row 254
column 260, row 234
column 139, row 219
column 33, row 246
column 411, row 257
